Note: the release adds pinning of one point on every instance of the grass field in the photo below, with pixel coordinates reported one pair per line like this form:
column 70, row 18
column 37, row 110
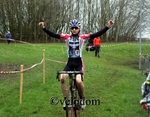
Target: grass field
column 114, row 79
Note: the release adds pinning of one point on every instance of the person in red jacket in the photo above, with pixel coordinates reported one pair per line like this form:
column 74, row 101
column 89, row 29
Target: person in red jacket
column 97, row 45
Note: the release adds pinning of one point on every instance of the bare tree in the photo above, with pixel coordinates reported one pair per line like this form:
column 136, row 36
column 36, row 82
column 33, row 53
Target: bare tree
column 22, row 16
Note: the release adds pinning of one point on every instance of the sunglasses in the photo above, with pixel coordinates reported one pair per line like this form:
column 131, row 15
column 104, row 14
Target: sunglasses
column 74, row 28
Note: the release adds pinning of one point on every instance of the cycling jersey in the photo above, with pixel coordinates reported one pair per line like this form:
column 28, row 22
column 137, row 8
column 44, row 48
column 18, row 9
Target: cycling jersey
column 74, row 44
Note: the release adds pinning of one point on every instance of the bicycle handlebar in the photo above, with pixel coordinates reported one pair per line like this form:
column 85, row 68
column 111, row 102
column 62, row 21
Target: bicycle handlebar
column 69, row 72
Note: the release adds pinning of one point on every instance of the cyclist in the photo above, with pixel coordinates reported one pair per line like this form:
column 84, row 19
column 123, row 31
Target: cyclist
column 145, row 88
column 74, row 43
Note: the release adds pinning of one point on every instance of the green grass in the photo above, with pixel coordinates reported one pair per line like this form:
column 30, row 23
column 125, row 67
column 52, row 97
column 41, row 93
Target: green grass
column 114, row 79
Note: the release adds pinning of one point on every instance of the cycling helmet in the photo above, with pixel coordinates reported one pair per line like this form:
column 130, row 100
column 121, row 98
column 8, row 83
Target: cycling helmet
column 75, row 23
column 148, row 77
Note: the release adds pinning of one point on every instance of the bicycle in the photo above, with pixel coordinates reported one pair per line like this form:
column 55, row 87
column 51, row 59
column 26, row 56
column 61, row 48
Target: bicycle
column 72, row 98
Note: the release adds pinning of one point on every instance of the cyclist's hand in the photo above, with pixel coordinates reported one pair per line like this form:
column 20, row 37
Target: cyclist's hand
column 110, row 23
column 42, row 24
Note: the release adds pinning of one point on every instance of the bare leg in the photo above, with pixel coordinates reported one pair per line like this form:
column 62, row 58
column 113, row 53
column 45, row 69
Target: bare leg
column 63, row 78
column 80, row 85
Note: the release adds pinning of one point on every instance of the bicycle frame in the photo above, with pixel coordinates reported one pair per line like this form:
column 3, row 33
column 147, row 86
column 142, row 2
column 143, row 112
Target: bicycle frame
column 75, row 107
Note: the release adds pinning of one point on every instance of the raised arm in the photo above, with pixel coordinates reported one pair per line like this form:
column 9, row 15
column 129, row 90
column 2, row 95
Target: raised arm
column 42, row 25
column 99, row 33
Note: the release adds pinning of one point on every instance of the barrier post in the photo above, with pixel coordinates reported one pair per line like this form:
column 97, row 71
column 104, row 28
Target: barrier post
column 21, row 82
column 43, row 66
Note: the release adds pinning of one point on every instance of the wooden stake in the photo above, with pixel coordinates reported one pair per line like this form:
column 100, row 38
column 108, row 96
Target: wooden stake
column 21, row 82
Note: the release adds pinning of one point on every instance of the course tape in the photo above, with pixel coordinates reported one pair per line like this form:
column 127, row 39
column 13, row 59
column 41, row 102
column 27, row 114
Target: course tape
column 32, row 66
column 113, row 45
column 128, row 43
column 9, row 72
column 24, row 70
column 101, row 46
column 56, row 61
column 18, row 41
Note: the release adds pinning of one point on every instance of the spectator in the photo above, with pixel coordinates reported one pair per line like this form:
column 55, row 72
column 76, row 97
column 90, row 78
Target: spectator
column 97, row 45
column 8, row 36
column 89, row 45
